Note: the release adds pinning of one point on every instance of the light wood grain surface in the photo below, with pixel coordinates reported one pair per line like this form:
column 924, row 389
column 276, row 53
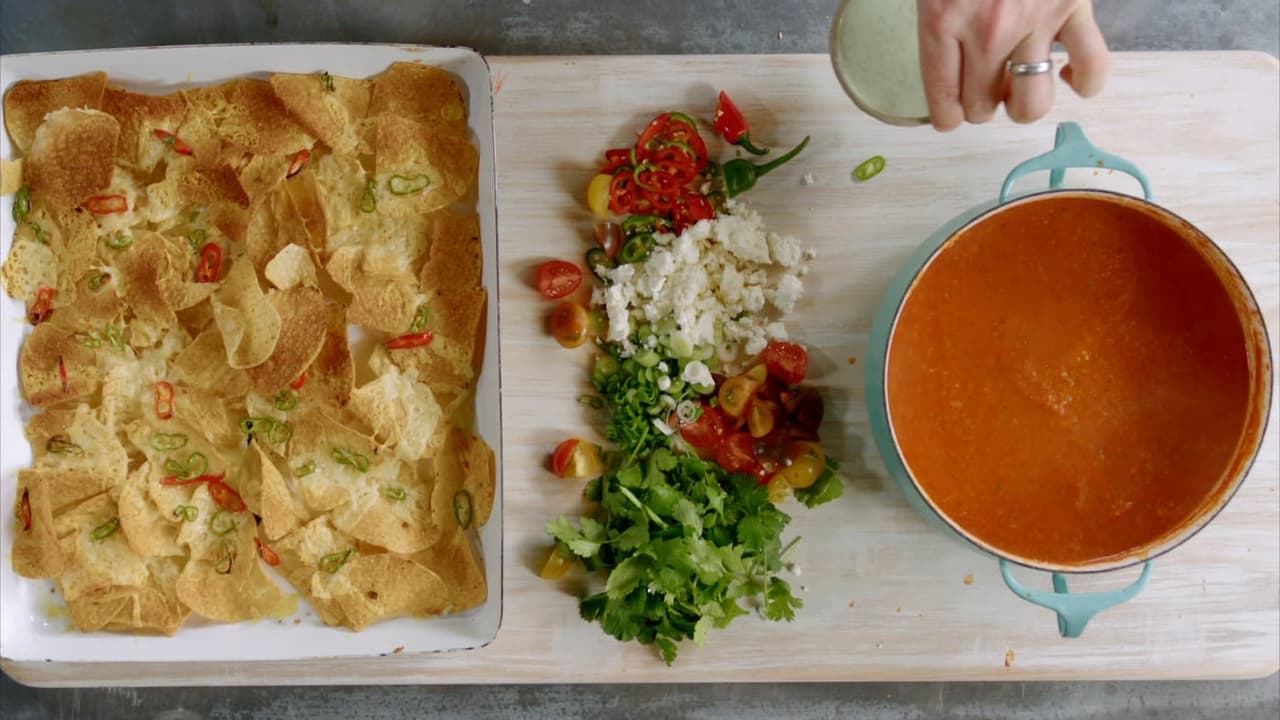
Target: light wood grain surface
column 886, row 597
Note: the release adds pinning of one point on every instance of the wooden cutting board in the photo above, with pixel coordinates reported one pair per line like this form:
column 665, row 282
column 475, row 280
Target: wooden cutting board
column 886, row 597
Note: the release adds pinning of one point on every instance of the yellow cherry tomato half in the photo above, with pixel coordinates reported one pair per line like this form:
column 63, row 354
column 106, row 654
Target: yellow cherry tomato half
column 778, row 489
column 735, row 395
column 570, row 324
column 555, row 566
column 808, row 461
column 598, row 195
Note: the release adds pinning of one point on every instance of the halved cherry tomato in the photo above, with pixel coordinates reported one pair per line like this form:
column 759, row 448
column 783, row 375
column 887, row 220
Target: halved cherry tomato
column 706, row 432
column 737, row 453
column 778, row 489
column 805, row 407
column 609, row 237
column 575, row 458
column 173, row 141
column 570, row 324
column 735, row 395
column 226, row 496
column 299, row 162
column 762, row 417
column 558, row 278
column 757, row 374
column 555, row 566
column 107, row 204
column 807, row 464
column 266, row 553
column 598, row 195
column 411, row 340
column 42, row 308
column 164, row 400
column 786, row 361
column 210, row 263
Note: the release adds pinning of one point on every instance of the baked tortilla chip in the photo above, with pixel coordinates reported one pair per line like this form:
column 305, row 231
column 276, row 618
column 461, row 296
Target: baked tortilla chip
column 36, row 551
column 274, row 224
column 340, row 183
column 140, row 115
column 331, row 376
column 420, row 92
column 302, row 330
column 460, row 566
column 388, row 508
column 76, row 440
column 456, row 259
column 28, row 102
column 420, row 168
column 72, row 156
column 402, row 412
column 465, row 482
column 155, row 606
column 263, row 173
column 336, row 453
column 54, row 366
column 96, row 553
column 29, row 266
column 383, row 302
column 292, row 267
column 257, row 122
column 144, row 270
column 372, row 587
column 281, row 513
column 203, row 364
column 308, row 208
column 150, row 532
column 330, row 107
column 249, row 324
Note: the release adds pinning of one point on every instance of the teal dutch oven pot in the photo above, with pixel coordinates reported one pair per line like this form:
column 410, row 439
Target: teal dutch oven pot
column 1071, row 150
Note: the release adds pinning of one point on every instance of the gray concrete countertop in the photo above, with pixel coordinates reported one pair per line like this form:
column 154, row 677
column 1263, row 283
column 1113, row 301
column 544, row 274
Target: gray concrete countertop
column 597, row 27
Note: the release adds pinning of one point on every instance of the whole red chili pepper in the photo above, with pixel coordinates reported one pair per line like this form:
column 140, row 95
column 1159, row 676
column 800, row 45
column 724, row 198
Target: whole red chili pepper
column 732, row 125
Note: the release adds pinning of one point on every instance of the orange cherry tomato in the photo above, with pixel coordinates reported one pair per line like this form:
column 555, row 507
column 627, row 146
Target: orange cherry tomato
column 762, row 417
column 555, row 566
column 558, row 278
column 735, row 395
column 570, row 324
column 808, row 462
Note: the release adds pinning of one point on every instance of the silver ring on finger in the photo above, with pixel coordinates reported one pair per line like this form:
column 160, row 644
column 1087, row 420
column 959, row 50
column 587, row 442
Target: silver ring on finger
column 1034, row 68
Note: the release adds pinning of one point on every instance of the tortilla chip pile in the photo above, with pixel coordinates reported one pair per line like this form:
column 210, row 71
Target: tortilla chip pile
column 191, row 263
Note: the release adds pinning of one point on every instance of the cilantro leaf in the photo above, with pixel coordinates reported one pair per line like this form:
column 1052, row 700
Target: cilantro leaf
column 626, row 576
column 687, row 515
column 564, row 531
column 828, row 487
column 779, row 603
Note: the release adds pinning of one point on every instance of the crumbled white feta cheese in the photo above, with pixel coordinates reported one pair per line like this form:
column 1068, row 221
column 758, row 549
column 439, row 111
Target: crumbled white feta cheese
column 784, row 249
column 785, row 295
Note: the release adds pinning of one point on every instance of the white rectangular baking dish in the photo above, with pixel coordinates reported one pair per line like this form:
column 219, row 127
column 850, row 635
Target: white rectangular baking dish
column 32, row 627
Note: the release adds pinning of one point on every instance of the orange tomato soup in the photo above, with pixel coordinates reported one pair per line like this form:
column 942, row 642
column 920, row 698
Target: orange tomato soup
column 1069, row 380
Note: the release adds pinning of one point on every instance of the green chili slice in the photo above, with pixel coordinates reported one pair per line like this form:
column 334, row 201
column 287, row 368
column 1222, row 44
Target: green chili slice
column 462, row 508
column 681, row 116
column 88, row 339
column 196, row 239
column 326, row 80
column 115, row 336
column 195, row 466
column 305, row 469
column 42, row 237
column 333, row 562
column 591, row 401
column 106, row 529
column 173, row 467
column 226, row 557
column 186, row 513
column 286, row 400
column 61, row 445
column 394, row 493
column 222, row 522
column 354, row 459
column 402, row 185
column 168, row 441
column 419, row 320
column 279, row 432
column 598, row 258
column 119, row 241
column 96, row 281
column 369, row 199
column 869, row 168
column 636, row 249
column 21, row 204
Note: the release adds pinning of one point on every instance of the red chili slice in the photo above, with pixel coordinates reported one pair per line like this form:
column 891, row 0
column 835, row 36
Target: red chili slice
column 164, row 400
column 210, row 263
column 173, row 141
column 661, row 202
column 615, row 159
column 42, row 308
column 299, row 162
column 656, row 130
column 680, row 172
column 412, row 340
column 622, row 193
column 302, row 380
column 107, row 204
column 173, row 480
column 266, row 553
column 226, row 496
column 62, row 373
column 23, row 511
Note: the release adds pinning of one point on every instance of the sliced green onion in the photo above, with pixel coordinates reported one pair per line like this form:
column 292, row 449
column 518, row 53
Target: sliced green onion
column 222, row 522
column 647, row 358
column 462, row 508
column 226, row 557
column 305, row 469
column 106, row 529
column 168, row 441
column 419, row 319
column 354, row 459
column 369, row 200
column 21, row 204
column 88, row 339
column 869, row 168
column 196, row 239
column 591, row 401
column 115, row 336
column 286, row 400
column 401, row 185
column 62, row 445
column 688, row 411
column 119, row 241
column 394, row 493
column 333, row 562
column 187, row 513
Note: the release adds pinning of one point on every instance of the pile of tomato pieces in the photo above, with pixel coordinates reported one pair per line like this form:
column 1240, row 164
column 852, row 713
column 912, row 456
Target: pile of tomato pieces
column 763, row 422
column 660, row 174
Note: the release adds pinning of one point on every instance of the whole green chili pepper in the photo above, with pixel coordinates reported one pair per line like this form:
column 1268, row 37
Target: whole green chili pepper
column 740, row 175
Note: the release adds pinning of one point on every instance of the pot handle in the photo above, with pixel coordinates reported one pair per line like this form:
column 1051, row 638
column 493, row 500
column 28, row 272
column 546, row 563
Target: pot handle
column 1072, row 149
column 1074, row 611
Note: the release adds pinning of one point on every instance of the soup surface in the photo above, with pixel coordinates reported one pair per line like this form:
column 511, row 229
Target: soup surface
column 1068, row 380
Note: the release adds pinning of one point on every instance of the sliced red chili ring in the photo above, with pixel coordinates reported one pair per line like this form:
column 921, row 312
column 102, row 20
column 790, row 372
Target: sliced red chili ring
column 62, row 373
column 299, row 162
column 210, row 263
column 411, row 340
column 107, row 204
column 302, row 380
column 661, row 202
column 226, row 496
column 699, row 147
column 173, row 141
column 614, row 159
column 42, row 308
column 642, row 206
column 266, row 553
column 23, row 510
column 164, row 400
column 656, row 130
column 622, row 193
column 681, row 172
column 179, row 480
column 653, row 179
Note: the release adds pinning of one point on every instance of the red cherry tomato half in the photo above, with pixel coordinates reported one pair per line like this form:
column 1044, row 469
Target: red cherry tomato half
column 737, row 453
column 786, row 361
column 706, row 432
column 558, row 278
column 570, row 324
column 561, row 456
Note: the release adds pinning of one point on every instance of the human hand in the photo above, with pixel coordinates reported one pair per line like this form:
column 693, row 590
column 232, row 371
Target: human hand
column 966, row 46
